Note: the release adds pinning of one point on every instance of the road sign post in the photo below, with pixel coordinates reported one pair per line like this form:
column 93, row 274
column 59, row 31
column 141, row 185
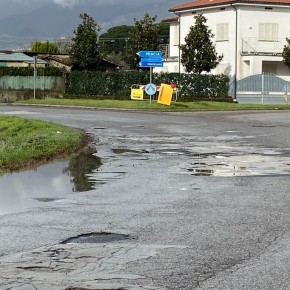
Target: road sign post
column 150, row 58
column 150, row 90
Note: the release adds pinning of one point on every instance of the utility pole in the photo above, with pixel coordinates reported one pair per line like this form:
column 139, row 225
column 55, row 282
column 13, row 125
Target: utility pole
column 34, row 76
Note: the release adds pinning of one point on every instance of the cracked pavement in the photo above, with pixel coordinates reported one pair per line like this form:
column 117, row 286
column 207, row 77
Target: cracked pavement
column 203, row 196
column 74, row 266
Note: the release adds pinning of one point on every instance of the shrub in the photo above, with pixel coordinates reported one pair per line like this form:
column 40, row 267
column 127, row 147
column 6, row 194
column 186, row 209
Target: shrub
column 117, row 85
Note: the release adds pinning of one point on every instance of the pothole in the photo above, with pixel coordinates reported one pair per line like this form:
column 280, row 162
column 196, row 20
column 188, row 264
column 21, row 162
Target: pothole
column 264, row 126
column 240, row 165
column 46, row 199
column 94, row 238
column 80, row 288
column 123, row 150
column 100, row 128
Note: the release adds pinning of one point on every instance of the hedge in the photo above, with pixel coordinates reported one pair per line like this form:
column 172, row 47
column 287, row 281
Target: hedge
column 29, row 71
column 117, row 85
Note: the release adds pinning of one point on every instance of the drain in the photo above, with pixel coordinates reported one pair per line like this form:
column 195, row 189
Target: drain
column 94, row 238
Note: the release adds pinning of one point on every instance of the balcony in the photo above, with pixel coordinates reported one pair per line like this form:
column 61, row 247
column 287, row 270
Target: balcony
column 256, row 46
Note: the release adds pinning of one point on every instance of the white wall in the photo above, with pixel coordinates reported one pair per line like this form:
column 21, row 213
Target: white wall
column 174, row 40
column 248, row 17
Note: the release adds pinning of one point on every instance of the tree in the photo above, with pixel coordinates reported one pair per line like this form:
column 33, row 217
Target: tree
column 164, row 29
column 198, row 54
column 286, row 53
column 84, row 51
column 44, row 47
column 144, row 35
column 114, row 41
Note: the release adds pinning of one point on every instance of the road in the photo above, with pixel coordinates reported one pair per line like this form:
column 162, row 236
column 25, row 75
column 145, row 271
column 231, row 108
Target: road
column 203, row 197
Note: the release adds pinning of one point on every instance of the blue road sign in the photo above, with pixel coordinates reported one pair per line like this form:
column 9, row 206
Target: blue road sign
column 151, row 59
column 149, row 53
column 150, row 89
column 145, row 63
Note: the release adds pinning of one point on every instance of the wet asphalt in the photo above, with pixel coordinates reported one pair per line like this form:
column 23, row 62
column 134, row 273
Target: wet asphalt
column 203, row 197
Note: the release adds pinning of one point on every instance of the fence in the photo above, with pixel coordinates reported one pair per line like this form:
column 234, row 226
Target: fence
column 14, row 88
column 262, row 89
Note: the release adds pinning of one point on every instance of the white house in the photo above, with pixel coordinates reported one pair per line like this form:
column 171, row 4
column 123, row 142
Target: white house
column 250, row 34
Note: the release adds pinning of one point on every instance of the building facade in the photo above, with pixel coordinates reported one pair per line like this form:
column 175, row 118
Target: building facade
column 19, row 59
column 250, row 34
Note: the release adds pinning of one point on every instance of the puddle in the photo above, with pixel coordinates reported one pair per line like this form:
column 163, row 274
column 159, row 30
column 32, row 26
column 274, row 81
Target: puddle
column 79, row 169
column 240, row 165
column 49, row 183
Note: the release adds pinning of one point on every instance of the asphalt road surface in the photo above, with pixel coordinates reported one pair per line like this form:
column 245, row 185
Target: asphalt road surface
column 204, row 198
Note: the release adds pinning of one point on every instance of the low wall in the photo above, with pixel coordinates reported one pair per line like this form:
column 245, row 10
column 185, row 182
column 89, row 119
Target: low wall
column 19, row 87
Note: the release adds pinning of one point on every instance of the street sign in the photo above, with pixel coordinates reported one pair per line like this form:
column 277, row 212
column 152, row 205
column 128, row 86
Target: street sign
column 149, row 53
column 145, row 63
column 150, row 89
column 150, row 58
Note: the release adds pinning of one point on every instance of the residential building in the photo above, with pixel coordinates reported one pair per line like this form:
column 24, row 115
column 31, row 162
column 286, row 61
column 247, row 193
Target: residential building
column 62, row 61
column 250, row 34
column 19, row 59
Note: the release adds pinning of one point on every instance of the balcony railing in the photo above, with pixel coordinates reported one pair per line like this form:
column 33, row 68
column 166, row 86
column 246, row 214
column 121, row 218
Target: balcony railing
column 254, row 45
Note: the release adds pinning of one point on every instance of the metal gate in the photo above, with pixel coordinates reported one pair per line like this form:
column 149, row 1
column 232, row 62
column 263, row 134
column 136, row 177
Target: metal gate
column 262, row 89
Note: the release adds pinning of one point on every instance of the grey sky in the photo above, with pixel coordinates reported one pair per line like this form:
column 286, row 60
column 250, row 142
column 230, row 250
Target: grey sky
column 14, row 7
column 23, row 20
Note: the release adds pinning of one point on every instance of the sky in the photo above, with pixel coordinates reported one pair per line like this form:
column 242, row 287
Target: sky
column 14, row 7
column 50, row 19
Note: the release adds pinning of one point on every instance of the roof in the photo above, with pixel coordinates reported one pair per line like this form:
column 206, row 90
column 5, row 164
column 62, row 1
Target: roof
column 209, row 3
column 65, row 59
column 60, row 58
column 17, row 57
column 170, row 20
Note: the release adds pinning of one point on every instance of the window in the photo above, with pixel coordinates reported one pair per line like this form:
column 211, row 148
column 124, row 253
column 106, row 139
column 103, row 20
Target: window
column 268, row 31
column 222, row 32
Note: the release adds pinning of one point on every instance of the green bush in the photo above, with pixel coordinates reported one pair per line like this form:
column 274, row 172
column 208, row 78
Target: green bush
column 117, row 85
column 29, row 71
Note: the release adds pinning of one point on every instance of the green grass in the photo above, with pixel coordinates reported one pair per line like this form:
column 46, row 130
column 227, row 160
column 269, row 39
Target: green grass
column 25, row 142
column 145, row 105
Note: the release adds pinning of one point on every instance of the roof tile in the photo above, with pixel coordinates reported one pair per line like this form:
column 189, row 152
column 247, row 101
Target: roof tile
column 208, row 3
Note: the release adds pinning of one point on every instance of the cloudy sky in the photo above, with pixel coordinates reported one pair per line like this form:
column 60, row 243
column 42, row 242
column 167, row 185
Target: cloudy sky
column 24, row 20
column 14, row 7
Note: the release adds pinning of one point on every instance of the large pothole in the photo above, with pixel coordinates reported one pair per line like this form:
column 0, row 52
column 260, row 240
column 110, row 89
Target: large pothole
column 78, row 288
column 93, row 238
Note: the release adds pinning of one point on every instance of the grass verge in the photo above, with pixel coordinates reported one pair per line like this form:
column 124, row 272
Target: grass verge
column 145, row 105
column 27, row 142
